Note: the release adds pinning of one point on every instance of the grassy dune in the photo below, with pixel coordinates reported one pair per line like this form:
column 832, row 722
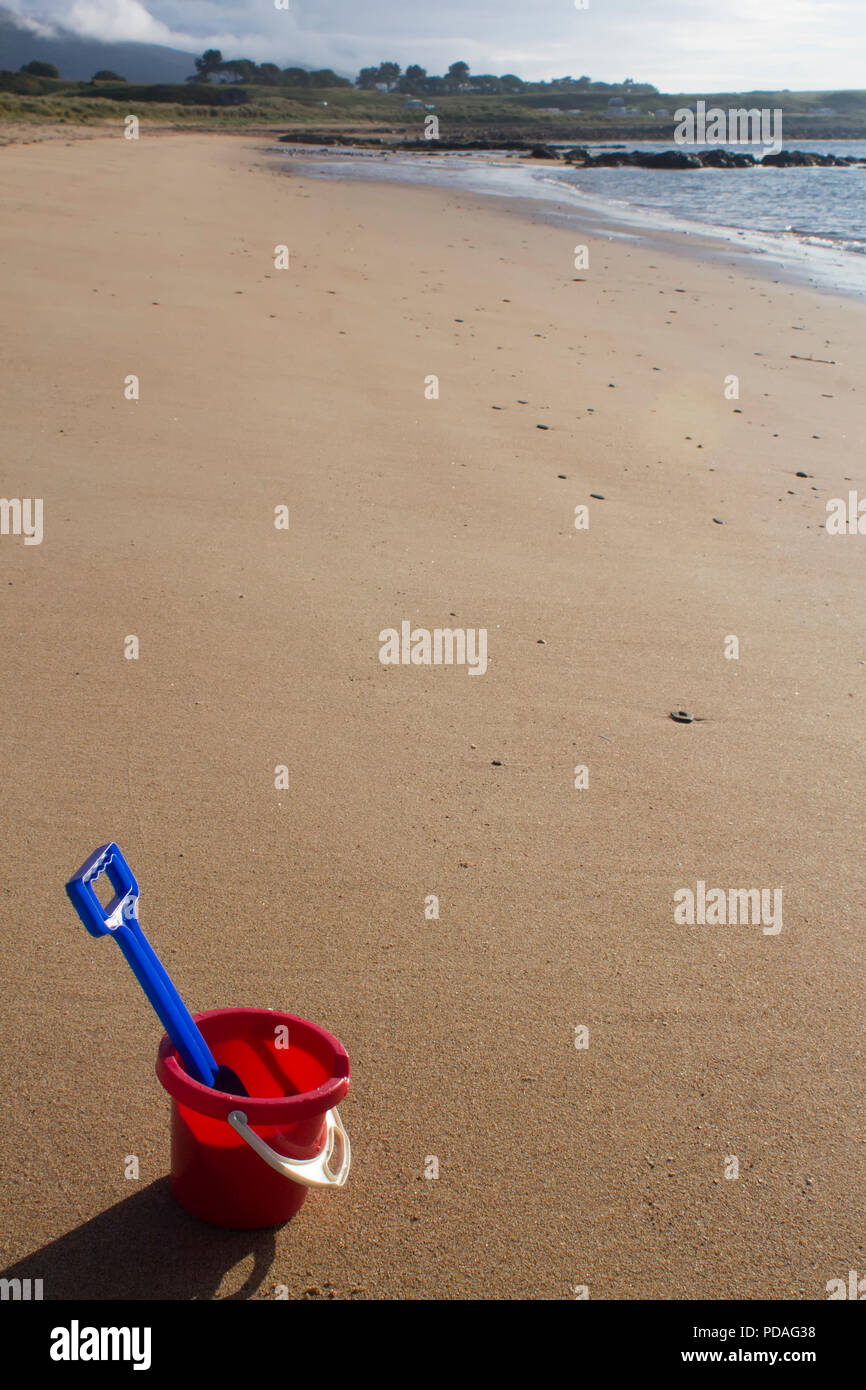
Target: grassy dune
column 472, row 116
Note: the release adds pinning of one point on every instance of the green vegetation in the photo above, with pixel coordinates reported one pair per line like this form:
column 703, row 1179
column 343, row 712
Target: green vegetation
column 212, row 64
column 241, row 94
column 37, row 69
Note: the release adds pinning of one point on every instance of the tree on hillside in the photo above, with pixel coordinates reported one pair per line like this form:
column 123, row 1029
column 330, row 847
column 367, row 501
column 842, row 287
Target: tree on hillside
column 414, row 79
column 106, row 75
column 457, row 74
column 325, row 77
column 269, row 73
column 37, row 69
column 488, row 84
column 210, row 62
column 388, row 72
column 238, row 70
column 384, row 74
column 296, row 77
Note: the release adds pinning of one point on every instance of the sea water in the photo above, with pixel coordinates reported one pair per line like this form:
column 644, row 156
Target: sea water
column 810, row 223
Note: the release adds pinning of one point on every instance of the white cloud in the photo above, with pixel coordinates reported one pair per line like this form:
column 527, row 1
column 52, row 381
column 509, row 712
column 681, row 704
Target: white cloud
column 116, row 20
column 44, row 28
column 677, row 44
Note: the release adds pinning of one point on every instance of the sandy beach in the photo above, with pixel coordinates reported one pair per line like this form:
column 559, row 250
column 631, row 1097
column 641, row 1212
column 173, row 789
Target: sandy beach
column 561, row 1167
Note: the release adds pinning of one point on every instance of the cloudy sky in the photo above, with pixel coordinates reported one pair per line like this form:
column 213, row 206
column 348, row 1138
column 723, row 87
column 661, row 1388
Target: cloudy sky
column 677, row 44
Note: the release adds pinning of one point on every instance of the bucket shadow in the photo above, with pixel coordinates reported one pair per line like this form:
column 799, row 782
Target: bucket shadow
column 146, row 1247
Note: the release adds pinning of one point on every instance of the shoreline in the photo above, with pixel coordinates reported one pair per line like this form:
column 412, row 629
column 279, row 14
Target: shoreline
column 779, row 257
column 785, row 257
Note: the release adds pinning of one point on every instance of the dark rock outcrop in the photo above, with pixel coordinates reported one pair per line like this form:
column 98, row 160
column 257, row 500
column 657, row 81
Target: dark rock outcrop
column 725, row 159
column 578, row 155
column 804, row 159
column 636, row 159
column 610, row 159
column 668, row 159
column 380, row 142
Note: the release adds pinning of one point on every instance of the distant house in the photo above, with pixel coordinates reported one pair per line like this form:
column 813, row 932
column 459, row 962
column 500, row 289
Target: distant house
column 821, row 111
column 383, row 86
column 616, row 101
column 413, row 101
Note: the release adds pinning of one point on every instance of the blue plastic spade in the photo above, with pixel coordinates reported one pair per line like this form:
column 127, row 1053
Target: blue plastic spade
column 120, row 918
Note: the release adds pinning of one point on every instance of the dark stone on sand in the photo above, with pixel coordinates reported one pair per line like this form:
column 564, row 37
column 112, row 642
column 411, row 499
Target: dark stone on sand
column 542, row 152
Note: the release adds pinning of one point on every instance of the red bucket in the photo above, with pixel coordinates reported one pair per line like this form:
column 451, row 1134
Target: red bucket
column 247, row 1161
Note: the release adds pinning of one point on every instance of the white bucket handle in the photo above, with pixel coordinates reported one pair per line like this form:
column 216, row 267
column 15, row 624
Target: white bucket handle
column 310, row 1172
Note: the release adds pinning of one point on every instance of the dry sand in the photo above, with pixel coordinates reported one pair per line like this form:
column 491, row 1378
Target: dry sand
column 558, row 1167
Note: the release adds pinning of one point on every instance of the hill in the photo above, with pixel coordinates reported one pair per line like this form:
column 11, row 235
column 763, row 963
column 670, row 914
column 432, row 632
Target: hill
column 79, row 58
